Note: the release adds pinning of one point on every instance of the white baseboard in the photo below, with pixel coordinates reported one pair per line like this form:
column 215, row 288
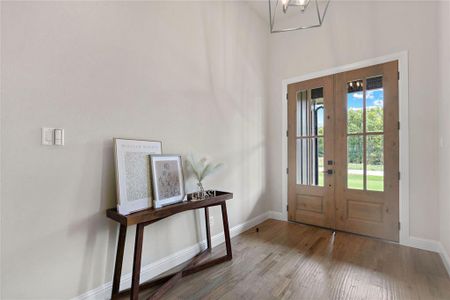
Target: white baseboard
column 276, row 215
column 430, row 245
column 420, row 243
column 154, row 269
column 445, row 257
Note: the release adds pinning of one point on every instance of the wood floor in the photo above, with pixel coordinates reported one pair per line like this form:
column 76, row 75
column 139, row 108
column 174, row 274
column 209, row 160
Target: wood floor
column 293, row 261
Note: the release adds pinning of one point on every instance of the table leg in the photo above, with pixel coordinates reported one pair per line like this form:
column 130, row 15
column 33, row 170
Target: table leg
column 226, row 230
column 208, row 229
column 137, row 262
column 119, row 260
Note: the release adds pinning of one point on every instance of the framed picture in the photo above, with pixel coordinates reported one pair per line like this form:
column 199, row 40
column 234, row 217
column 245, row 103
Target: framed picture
column 168, row 182
column 133, row 179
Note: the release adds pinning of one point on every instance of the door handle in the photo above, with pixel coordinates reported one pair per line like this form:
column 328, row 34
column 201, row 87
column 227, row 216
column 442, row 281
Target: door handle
column 329, row 172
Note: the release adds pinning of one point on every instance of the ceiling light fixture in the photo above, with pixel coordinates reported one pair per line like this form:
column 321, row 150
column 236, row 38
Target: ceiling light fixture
column 278, row 8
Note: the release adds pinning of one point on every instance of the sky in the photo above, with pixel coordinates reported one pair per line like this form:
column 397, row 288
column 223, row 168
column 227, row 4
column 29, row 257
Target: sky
column 374, row 98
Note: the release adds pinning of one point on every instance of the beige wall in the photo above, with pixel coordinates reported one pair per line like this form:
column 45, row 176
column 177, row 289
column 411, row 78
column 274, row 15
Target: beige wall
column 444, row 124
column 193, row 75
column 190, row 74
column 355, row 31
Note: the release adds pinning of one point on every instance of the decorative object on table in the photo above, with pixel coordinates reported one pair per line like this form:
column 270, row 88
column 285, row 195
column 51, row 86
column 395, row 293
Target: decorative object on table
column 201, row 195
column 167, row 178
column 200, row 169
column 132, row 162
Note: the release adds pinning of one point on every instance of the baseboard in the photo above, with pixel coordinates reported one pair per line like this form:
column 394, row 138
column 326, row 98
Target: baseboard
column 445, row 257
column 423, row 244
column 430, row 245
column 276, row 215
column 154, row 269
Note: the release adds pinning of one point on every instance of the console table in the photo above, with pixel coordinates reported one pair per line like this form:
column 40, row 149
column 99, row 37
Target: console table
column 146, row 217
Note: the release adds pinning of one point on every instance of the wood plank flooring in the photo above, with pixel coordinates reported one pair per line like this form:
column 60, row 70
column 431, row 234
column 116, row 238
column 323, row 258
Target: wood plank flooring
column 293, row 261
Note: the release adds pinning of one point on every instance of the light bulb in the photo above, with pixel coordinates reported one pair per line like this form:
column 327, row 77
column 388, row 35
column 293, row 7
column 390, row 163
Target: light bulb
column 285, row 5
column 302, row 3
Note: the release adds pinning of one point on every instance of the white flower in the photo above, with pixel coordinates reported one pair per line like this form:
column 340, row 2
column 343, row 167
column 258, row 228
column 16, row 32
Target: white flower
column 201, row 168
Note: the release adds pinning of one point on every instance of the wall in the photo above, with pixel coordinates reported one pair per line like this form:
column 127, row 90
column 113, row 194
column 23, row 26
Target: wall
column 444, row 124
column 355, row 31
column 190, row 74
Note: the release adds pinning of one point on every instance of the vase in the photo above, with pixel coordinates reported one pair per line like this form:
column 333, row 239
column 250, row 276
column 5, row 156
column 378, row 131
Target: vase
column 201, row 191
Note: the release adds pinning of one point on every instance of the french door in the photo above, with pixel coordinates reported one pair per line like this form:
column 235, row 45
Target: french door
column 311, row 152
column 343, row 151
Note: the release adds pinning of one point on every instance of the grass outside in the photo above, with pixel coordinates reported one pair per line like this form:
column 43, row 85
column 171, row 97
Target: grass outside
column 374, row 183
column 369, row 167
column 355, row 181
column 353, row 166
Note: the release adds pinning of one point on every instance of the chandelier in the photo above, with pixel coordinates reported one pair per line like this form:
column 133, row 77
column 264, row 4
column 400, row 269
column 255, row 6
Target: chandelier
column 289, row 15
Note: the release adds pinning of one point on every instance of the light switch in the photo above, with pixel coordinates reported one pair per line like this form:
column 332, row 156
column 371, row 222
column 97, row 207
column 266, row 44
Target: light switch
column 52, row 136
column 59, row 137
column 48, row 136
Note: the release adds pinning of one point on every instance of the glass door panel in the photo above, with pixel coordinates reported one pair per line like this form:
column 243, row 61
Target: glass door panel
column 365, row 136
column 310, row 137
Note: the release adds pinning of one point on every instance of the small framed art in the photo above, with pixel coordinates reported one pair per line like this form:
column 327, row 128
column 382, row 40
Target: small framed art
column 134, row 185
column 167, row 177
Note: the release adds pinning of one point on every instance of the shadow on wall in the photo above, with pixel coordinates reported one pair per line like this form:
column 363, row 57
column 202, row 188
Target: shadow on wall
column 237, row 79
column 236, row 94
column 95, row 226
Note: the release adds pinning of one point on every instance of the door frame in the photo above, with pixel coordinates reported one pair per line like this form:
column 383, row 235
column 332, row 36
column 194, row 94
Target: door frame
column 402, row 58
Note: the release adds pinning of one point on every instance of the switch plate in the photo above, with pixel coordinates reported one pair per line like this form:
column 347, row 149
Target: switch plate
column 48, row 136
column 52, row 136
column 59, row 136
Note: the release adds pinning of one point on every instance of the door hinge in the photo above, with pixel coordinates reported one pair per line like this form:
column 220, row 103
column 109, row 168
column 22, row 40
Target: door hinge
column 398, row 75
column 398, row 125
column 287, row 133
column 287, row 207
column 287, row 170
column 399, row 226
column 287, row 96
column 398, row 175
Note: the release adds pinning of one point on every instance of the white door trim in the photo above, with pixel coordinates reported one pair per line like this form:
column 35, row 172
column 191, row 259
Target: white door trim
column 402, row 58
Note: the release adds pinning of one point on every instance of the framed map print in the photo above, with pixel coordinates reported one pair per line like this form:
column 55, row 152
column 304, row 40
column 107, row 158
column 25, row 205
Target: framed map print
column 167, row 176
column 133, row 179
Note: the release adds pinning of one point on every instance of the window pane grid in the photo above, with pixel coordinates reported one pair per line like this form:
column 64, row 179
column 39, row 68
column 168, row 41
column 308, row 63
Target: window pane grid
column 310, row 137
column 365, row 134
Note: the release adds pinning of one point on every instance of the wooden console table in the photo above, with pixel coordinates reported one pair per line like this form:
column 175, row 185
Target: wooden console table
column 152, row 215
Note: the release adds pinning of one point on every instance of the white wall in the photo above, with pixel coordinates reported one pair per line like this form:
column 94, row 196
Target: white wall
column 444, row 124
column 193, row 75
column 355, row 31
column 190, row 74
